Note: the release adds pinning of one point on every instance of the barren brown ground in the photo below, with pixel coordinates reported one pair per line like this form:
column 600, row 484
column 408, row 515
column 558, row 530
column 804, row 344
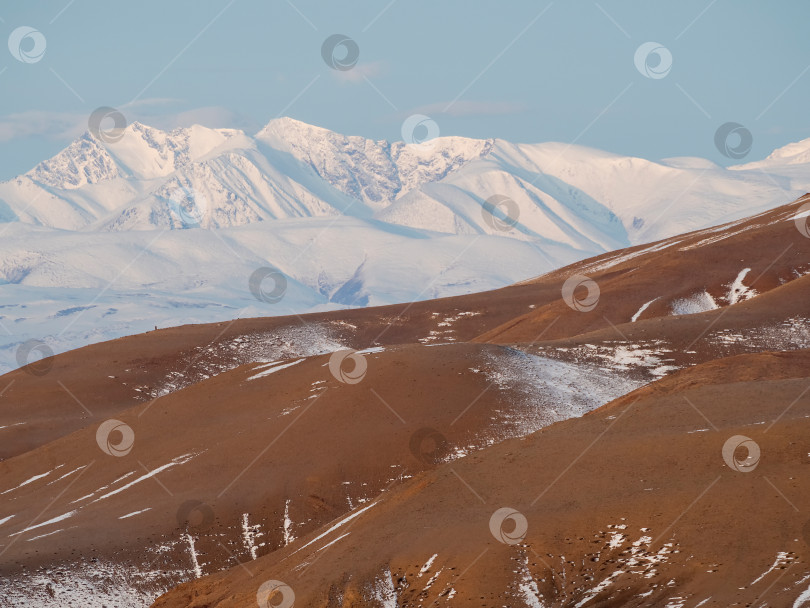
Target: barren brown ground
column 636, row 494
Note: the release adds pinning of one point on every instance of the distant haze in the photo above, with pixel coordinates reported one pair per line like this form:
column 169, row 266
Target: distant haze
column 524, row 71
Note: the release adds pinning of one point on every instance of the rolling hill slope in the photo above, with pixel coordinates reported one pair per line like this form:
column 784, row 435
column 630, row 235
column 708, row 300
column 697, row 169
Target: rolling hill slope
column 633, row 505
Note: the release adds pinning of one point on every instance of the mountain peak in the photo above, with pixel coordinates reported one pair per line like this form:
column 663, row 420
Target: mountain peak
column 374, row 171
column 286, row 122
column 287, row 133
column 288, row 129
column 85, row 161
column 148, row 152
column 793, row 153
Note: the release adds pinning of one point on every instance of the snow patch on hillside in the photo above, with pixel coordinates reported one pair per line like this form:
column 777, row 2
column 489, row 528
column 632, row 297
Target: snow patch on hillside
column 383, row 590
column 642, row 361
column 93, row 584
column 639, row 312
column 790, row 334
column 737, row 291
column 543, row 390
column 699, row 302
column 268, row 348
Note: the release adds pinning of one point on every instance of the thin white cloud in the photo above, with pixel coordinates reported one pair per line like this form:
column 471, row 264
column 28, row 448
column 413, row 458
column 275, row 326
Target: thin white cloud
column 63, row 126
column 470, row 108
column 361, row 72
column 36, row 123
column 214, row 117
column 152, row 101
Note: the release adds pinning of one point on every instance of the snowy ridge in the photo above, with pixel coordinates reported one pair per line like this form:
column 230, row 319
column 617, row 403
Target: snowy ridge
column 570, row 195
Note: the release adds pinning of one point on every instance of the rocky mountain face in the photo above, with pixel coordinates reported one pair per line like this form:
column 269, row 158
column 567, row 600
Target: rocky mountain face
column 568, row 195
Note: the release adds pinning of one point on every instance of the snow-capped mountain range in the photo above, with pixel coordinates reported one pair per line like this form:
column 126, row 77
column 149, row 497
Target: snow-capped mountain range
column 161, row 228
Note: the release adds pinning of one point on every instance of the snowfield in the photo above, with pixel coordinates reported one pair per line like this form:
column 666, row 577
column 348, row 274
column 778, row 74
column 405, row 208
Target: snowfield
column 70, row 289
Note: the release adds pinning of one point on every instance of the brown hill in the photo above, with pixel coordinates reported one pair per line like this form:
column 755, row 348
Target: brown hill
column 255, row 456
column 631, row 505
column 88, row 385
column 704, row 270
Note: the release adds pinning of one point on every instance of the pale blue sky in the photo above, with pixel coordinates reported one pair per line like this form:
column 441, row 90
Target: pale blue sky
column 526, row 71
